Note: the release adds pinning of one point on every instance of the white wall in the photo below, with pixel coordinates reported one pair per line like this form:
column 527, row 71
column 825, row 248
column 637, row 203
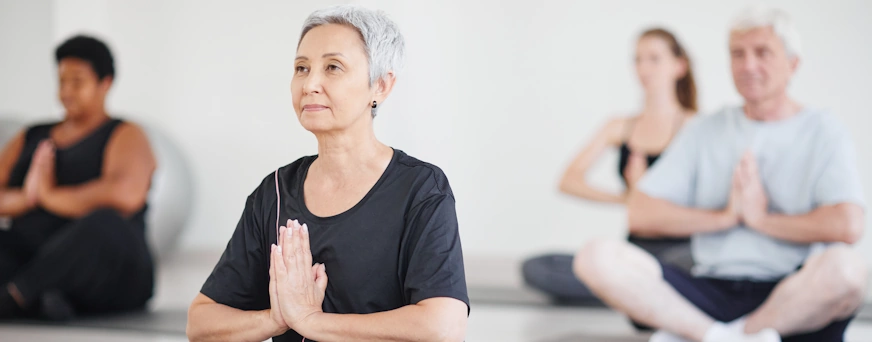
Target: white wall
column 500, row 94
column 27, row 82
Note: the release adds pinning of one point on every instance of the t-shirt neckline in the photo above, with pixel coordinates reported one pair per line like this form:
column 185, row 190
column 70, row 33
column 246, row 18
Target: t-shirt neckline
column 310, row 217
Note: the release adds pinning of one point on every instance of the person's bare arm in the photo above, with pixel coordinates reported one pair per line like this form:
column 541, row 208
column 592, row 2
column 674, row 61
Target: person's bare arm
column 434, row 319
column 13, row 201
column 842, row 222
column 300, row 293
column 655, row 217
column 296, row 306
column 574, row 180
column 211, row 321
column 127, row 170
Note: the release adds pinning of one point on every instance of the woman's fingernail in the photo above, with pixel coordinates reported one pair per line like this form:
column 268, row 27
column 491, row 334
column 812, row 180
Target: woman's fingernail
column 279, row 249
column 305, row 228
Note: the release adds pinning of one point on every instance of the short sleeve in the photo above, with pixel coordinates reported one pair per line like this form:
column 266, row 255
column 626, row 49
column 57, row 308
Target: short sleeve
column 839, row 180
column 241, row 277
column 673, row 176
column 435, row 265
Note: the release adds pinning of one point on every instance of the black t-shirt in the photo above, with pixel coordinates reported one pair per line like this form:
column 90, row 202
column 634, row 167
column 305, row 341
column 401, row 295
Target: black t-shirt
column 398, row 246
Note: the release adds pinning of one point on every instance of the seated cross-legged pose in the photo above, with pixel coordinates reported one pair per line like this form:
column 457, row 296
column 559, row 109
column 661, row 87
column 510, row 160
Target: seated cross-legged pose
column 75, row 193
column 771, row 196
column 664, row 71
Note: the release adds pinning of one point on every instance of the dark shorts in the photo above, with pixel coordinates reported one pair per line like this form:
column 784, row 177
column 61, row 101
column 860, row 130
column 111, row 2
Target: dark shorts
column 552, row 273
column 727, row 300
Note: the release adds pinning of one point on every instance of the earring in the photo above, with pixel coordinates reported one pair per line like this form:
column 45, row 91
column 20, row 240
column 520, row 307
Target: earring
column 374, row 104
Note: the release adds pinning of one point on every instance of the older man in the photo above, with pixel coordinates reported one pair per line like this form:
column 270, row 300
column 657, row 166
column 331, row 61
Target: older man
column 770, row 194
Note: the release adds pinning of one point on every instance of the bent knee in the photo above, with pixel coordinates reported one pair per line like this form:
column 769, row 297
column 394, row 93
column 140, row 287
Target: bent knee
column 604, row 259
column 594, row 256
column 844, row 272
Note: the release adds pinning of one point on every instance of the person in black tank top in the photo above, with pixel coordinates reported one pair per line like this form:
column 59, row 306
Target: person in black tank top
column 73, row 194
column 658, row 56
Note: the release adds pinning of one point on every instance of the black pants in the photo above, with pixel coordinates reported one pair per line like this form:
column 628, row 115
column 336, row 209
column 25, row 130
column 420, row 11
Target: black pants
column 100, row 262
column 552, row 273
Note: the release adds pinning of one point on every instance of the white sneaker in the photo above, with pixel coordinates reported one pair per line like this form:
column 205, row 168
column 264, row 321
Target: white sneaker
column 765, row 335
column 734, row 332
column 665, row 336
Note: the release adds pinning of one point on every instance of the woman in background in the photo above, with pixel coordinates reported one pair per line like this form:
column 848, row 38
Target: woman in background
column 76, row 191
column 665, row 73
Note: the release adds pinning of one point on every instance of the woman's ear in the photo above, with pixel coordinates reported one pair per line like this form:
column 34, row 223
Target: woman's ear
column 105, row 84
column 384, row 86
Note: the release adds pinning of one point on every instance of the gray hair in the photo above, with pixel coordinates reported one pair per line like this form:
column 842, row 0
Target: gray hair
column 780, row 22
column 382, row 41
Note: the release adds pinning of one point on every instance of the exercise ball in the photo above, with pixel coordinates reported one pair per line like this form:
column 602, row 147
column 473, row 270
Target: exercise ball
column 170, row 200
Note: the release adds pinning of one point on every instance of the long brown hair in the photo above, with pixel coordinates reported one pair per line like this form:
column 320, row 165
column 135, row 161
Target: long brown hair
column 685, row 87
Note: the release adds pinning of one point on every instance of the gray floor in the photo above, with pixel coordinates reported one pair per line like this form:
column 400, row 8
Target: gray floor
column 502, row 311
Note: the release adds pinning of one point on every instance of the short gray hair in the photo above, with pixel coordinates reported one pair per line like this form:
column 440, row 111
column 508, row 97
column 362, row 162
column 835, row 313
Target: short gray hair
column 780, row 22
column 382, row 41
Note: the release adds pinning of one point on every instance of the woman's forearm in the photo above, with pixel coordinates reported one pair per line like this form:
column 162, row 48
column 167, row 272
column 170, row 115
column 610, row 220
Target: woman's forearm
column 437, row 322
column 80, row 200
column 580, row 188
column 13, row 202
column 218, row 322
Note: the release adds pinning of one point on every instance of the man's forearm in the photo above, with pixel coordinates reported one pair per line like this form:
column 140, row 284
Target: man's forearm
column 217, row 322
column 835, row 223
column 659, row 218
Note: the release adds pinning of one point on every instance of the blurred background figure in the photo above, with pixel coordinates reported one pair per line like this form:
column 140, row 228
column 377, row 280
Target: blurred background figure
column 74, row 194
column 665, row 73
column 771, row 243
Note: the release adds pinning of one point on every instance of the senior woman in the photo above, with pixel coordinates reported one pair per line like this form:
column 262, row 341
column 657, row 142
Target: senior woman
column 379, row 222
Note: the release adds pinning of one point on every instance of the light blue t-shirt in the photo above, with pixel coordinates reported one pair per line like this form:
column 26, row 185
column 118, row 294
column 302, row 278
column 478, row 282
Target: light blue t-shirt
column 805, row 161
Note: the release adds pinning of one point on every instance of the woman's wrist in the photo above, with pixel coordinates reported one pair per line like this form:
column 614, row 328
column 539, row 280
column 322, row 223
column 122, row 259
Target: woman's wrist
column 272, row 327
column 309, row 326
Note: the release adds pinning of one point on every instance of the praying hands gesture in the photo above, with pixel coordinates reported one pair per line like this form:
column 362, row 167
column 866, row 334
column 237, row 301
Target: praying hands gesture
column 747, row 197
column 296, row 287
column 40, row 175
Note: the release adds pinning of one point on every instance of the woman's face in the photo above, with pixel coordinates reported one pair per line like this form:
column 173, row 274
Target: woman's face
column 330, row 87
column 656, row 65
column 79, row 90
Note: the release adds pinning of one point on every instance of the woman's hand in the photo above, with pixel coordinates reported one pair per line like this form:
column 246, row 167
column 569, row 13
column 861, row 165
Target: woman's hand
column 299, row 285
column 275, row 311
column 40, row 175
